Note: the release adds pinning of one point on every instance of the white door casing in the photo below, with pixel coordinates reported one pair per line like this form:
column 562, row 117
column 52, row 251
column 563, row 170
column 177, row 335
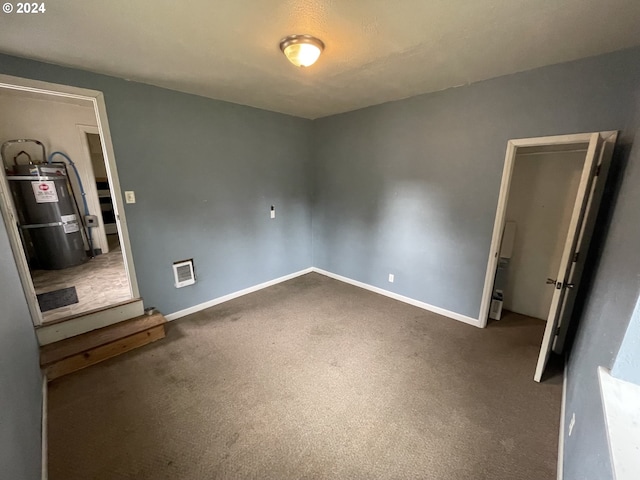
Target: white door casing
column 99, row 236
column 11, row 223
column 501, row 209
column 6, row 204
column 582, row 222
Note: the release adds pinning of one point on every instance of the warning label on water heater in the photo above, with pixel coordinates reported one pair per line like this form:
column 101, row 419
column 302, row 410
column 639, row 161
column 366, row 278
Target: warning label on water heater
column 69, row 223
column 45, row 192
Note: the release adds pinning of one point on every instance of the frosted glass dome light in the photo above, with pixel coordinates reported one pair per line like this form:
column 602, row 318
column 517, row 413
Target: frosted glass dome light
column 301, row 50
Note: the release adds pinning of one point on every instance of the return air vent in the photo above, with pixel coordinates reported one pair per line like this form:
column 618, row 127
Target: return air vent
column 183, row 273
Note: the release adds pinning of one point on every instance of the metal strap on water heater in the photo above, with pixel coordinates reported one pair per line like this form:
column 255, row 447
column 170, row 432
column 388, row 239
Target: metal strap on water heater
column 33, row 178
column 41, row 225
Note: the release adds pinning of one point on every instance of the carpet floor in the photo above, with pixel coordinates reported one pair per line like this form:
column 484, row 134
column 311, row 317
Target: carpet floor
column 312, row 379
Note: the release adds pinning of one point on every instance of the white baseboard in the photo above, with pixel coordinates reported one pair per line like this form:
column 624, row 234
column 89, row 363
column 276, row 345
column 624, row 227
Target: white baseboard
column 231, row 296
column 44, row 430
column 416, row 303
column 563, row 407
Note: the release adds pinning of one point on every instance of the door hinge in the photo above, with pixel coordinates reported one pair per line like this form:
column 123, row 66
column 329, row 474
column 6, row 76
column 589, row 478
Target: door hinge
column 557, row 331
column 576, row 256
column 598, row 170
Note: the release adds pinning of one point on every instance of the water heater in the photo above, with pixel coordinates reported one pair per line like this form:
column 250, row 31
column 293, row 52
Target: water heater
column 48, row 219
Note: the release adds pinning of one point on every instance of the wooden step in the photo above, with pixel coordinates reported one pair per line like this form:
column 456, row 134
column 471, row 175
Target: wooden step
column 81, row 351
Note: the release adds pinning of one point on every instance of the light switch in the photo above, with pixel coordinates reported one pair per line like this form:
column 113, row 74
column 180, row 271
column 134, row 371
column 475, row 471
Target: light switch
column 273, row 211
column 130, row 196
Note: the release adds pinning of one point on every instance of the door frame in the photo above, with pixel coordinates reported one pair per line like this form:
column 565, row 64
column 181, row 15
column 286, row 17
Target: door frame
column 97, row 100
column 100, row 230
column 501, row 210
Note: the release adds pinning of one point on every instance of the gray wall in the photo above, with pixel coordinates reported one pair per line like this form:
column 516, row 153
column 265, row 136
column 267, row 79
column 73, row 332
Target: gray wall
column 609, row 306
column 408, row 187
column 205, row 174
column 20, row 379
column 411, row 187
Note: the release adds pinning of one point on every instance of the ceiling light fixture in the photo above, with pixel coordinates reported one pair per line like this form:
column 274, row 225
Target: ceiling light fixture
column 302, row 50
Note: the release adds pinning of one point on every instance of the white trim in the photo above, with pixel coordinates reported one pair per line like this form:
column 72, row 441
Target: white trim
column 416, row 303
column 231, row 296
column 386, row 293
column 9, row 216
column 116, row 193
column 563, row 410
column 36, row 86
column 620, row 400
column 44, row 431
column 54, row 332
column 501, row 209
column 97, row 100
column 99, row 235
column 498, row 225
column 552, row 140
column 583, row 198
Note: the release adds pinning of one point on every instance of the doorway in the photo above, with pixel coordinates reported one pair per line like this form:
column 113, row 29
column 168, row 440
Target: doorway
column 543, row 191
column 92, row 148
column 549, row 198
column 80, row 262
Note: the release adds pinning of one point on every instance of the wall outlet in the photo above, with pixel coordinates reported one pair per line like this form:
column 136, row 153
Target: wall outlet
column 391, row 277
column 130, row 196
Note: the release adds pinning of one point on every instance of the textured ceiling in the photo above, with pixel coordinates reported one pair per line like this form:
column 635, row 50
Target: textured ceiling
column 376, row 50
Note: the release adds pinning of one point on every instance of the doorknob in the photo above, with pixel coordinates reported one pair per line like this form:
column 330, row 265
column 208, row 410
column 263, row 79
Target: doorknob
column 551, row 281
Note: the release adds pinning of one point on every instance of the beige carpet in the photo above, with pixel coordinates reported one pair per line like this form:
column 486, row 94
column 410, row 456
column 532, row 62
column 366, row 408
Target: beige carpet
column 312, row 379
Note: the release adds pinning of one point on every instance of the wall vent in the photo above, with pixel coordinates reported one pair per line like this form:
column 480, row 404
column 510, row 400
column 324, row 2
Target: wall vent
column 184, row 273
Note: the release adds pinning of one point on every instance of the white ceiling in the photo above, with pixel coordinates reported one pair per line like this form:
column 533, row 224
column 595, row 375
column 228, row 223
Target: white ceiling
column 376, row 50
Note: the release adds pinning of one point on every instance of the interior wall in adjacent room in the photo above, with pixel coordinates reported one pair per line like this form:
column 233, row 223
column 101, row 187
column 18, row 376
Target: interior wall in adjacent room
column 541, row 200
column 54, row 122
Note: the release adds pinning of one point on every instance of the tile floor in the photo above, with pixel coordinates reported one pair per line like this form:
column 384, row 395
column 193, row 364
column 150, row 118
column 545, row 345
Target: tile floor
column 100, row 282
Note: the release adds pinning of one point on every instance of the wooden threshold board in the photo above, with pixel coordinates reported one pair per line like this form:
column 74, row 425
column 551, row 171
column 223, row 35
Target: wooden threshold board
column 88, row 312
column 53, row 332
column 66, row 356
